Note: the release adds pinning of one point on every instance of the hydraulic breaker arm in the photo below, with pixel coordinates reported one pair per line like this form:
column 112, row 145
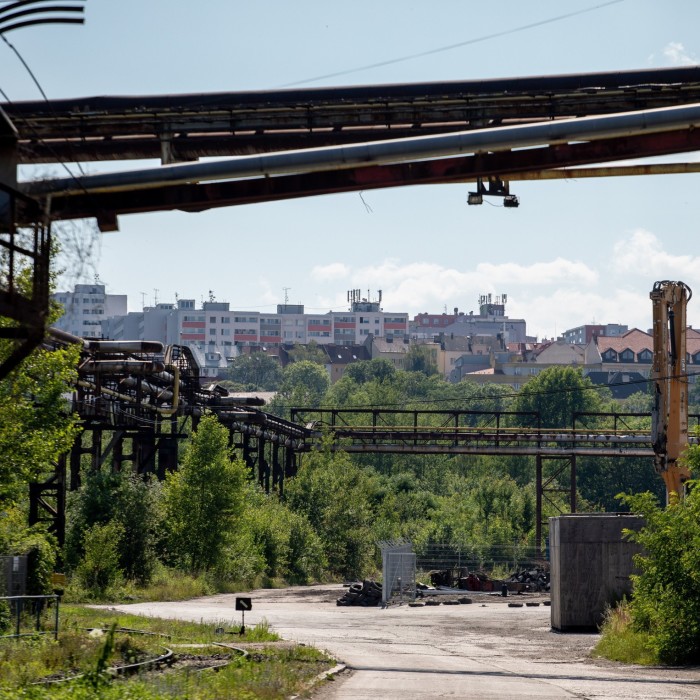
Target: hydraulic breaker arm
column 669, row 422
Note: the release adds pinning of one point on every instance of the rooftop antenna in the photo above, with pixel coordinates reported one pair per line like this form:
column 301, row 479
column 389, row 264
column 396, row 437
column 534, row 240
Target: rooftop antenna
column 212, row 298
column 155, row 296
column 143, row 300
column 286, row 295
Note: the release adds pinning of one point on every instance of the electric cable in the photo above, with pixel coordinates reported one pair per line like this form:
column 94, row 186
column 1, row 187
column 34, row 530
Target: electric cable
column 450, row 47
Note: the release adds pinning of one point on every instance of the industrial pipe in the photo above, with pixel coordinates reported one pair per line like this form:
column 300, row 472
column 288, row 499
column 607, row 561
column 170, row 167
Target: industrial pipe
column 381, row 152
column 149, row 346
column 120, row 367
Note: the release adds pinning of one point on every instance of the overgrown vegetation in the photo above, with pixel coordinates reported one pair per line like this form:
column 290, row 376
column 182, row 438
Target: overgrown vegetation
column 270, row 671
column 661, row 624
column 210, row 528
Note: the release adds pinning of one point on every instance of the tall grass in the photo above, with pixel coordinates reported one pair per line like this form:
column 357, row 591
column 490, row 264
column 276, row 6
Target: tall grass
column 621, row 642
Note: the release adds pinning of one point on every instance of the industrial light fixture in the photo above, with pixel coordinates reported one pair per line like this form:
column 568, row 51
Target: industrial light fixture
column 496, row 188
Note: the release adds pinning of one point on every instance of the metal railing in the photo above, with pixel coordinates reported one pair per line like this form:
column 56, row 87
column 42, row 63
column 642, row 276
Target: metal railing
column 17, row 608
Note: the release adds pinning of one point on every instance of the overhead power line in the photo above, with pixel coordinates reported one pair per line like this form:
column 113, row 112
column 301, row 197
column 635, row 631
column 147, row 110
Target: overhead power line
column 450, row 47
column 29, row 13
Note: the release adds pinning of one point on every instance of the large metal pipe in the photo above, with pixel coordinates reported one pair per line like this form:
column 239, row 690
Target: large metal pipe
column 381, row 152
column 120, row 367
column 124, row 346
column 64, row 336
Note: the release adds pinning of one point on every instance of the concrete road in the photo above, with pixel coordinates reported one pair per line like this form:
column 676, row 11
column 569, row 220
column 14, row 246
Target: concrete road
column 484, row 650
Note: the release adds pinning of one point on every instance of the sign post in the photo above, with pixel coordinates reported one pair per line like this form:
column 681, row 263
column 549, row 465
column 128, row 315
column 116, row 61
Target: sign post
column 243, row 604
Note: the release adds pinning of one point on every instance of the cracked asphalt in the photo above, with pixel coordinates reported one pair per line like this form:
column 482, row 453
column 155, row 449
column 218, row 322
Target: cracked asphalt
column 483, row 650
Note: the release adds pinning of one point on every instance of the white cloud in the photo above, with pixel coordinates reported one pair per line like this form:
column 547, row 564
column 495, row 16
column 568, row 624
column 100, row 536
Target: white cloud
column 328, row 273
column 551, row 296
column 558, row 270
column 642, row 253
column 675, row 54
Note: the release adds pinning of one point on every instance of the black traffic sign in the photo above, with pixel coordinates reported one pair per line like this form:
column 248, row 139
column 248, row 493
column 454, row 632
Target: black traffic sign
column 244, row 604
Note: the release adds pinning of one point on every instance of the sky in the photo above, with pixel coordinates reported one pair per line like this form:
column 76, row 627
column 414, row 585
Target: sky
column 574, row 252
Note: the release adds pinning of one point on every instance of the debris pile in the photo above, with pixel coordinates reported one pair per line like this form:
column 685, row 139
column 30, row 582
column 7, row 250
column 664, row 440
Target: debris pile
column 367, row 594
column 530, row 580
column 536, row 579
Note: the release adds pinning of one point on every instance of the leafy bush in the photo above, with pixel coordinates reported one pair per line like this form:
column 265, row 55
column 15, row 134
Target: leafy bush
column 40, row 547
column 128, row 500
column 99, row 570
column 203, row 500
column 666, row 602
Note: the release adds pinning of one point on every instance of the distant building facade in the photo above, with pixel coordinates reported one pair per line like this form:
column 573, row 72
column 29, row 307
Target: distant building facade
column 85, row 309
column 585, row 334
column 215, row 323
column 490, row 321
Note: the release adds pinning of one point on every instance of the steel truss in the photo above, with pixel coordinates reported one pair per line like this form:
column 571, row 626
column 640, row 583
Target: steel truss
column 464, row 432
column 136, row 401
column 24, row 298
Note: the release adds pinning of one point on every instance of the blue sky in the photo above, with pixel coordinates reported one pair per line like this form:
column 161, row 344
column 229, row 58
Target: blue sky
column 574, row 252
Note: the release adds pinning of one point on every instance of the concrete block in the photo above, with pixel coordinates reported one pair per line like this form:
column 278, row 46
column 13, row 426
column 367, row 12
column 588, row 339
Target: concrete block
column 591, row 565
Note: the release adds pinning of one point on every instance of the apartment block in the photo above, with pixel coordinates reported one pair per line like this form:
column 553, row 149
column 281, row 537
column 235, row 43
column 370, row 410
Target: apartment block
column 86, row 307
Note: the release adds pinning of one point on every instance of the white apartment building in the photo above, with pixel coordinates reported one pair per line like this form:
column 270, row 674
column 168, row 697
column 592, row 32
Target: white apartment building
column 216, row 325
column 86, row 307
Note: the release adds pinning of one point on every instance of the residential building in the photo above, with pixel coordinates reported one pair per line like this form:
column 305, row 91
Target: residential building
column 339, row 357
column 585, row 334
column 491, row 320
column 86, row 307
column 215, row 323
column 390, row 349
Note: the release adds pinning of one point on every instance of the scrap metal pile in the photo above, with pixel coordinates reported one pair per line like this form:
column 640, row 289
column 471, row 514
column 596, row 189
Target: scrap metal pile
column 530, row 580
column 366, row 594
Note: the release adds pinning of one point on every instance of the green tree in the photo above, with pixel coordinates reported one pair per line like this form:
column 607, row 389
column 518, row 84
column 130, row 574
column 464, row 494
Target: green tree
column 256, row 372
column 419, row 358
column 335, row 496
column 99, row 570
column 666, row 594
column 203, row 500
column 128, row 500
column 36, row 425
column 311, row 352
column 557, row 393
column 304, row 383
column 40, row 547
column 377, row 369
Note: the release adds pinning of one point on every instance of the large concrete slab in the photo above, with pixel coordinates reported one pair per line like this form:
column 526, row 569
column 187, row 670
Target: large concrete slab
column 484, row 650
column 591, row 563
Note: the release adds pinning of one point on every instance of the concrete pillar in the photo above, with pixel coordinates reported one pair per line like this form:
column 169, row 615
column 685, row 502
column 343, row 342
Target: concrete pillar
column 590, row 566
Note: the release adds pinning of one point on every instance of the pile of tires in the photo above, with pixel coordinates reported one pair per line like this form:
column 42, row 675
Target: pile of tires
column 366, row 594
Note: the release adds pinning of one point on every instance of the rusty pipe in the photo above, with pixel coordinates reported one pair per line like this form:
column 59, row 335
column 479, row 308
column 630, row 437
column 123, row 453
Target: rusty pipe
column 386, row 152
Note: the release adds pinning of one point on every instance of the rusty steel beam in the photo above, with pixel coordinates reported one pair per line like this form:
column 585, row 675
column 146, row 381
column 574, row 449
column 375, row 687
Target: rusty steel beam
column 492, row 450
column 609, row 171
column 97, row 128
column 442, row 171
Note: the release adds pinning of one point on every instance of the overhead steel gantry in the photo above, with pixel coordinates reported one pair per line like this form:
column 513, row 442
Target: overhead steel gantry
column 137, row 400
column 465, row 432
column 178, row 128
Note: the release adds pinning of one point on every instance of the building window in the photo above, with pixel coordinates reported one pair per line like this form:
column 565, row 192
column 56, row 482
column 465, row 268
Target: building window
column 627, row 356
column 645, row 356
